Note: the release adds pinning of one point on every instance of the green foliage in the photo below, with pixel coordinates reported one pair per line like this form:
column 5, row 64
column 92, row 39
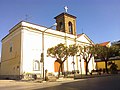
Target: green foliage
column 59, row 52
column 104, row 53
column 86, row 52
column 116, row 50
column 101, row 52
column 113, row 67
column 72, row 50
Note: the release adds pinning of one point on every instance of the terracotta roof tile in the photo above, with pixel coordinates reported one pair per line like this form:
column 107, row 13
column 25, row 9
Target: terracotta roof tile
column 104, row 43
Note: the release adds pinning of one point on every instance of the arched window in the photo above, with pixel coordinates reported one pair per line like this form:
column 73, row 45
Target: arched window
column 36, row 66
column 70, row 28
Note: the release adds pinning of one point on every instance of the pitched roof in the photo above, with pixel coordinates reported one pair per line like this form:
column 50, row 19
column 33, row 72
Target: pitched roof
column 80, row 35
column 104, row 43
column 65, row 14
column 83, row 34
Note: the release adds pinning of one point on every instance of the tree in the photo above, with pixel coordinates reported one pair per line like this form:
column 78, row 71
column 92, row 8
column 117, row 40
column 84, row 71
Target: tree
column 113, row 68
column 72, row 50
column 60, row 52
column 87, row 53
column 116, row 50
column 104, row 53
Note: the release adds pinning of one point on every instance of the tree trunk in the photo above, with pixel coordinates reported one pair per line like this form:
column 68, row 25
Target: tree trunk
column 59, row 73
column 86, row 68
column 106, row 66
column 60, row 69
column 61, row 66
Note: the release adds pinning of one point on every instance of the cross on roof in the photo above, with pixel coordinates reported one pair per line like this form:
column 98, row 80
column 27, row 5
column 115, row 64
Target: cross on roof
column 27, row 17
column 66, row 9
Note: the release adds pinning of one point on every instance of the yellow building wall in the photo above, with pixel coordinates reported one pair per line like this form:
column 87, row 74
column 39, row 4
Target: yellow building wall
column 102, row 64
column 118, row 64
column 10, row 61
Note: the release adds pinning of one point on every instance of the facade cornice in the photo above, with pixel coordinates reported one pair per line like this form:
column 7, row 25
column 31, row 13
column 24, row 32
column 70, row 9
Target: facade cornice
column 83, row 34
column 35, row 27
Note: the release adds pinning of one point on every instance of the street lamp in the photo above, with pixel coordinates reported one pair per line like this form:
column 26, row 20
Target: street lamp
column 80, row 66
column 74, row 67
column 42, row 54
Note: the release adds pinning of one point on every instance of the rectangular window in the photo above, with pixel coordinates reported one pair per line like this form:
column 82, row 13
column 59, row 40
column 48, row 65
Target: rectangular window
column 36, row 65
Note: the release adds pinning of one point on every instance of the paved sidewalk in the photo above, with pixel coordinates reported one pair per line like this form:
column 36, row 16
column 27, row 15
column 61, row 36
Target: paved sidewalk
column 31, row 85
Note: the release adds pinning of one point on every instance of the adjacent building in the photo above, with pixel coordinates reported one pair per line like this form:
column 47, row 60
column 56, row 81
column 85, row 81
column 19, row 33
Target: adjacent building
column 101, row 64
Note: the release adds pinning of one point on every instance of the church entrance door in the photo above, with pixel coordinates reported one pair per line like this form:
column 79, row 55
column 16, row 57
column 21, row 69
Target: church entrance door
column 57, row 66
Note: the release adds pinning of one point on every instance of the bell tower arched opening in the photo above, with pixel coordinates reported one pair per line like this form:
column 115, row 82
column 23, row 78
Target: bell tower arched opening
column 70, row 28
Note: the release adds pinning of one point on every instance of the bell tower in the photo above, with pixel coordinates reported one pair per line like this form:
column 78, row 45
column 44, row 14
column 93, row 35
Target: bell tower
column 66, row 23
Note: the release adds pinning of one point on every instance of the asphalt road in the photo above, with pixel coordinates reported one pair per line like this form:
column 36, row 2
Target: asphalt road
column 101, row 83
column 98, row 83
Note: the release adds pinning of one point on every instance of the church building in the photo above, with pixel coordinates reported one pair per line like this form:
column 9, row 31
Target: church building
column 23, row 46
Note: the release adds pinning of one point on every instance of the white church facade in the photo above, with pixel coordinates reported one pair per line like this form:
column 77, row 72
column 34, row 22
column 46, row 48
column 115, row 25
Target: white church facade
column 22, row 48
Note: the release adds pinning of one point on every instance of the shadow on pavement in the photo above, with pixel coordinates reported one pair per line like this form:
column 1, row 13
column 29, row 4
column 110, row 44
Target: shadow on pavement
column 101, row 83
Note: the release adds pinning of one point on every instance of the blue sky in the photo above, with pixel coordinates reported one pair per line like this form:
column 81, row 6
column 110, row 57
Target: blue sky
column 99, row 19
